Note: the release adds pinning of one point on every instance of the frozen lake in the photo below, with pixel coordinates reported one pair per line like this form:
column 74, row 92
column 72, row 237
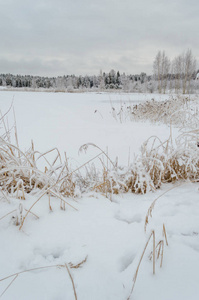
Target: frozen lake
column 69, row 120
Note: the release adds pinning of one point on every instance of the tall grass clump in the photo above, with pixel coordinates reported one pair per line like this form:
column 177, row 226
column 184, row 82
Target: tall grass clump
column 19, row 171
column 158, row 111
column 158, row 161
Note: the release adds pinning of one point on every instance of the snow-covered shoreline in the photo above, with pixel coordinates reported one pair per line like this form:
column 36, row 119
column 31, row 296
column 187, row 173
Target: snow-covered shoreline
column 110, row 234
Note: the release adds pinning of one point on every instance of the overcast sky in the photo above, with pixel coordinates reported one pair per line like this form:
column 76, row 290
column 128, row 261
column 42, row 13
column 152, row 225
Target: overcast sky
column 57, row 37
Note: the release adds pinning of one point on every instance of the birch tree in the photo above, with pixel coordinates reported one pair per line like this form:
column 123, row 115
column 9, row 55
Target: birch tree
column 177, row 71
column 188, row 69
column 184, row 67
column 161, row 67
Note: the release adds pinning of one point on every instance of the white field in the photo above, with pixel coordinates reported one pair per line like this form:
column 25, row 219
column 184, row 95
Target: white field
column 67, row 121
column 111, row 234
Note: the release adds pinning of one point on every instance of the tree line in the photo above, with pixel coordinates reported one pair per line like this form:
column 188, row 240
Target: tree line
column 103, row 81
column 178, row 75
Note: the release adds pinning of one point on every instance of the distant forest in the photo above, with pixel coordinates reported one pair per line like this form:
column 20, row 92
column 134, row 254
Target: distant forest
column 179, row 76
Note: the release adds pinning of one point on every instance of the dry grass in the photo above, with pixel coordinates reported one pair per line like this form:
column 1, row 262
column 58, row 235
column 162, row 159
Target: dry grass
column 19, row 172
column 67, row 266
column 151, row 208
column 159, row 162
column 71, row 278
column 156, row 253
column 152, row 234
column 158, row 111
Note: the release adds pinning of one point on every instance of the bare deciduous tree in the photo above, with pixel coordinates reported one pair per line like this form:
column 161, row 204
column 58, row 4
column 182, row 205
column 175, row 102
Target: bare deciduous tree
column 161, row 67
column 188, row 69
column 184, row 67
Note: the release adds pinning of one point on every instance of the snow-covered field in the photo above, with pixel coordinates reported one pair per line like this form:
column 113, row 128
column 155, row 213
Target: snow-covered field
column 67, row 121
column 109, row 234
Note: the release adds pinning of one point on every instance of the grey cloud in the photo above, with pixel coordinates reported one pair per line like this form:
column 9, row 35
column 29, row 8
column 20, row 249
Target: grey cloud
column 30, row 67
column 85, row 35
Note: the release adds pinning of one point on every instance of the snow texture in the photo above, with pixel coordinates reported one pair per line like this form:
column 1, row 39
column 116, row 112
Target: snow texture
column 110, row 234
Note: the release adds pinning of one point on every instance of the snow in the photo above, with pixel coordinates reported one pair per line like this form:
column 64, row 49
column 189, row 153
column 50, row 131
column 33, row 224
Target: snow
column 110, row 234
column 68, row 120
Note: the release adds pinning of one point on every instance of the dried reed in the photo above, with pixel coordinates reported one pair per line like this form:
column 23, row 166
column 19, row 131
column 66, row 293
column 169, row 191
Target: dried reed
column 142, row 255
column 71, row 265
